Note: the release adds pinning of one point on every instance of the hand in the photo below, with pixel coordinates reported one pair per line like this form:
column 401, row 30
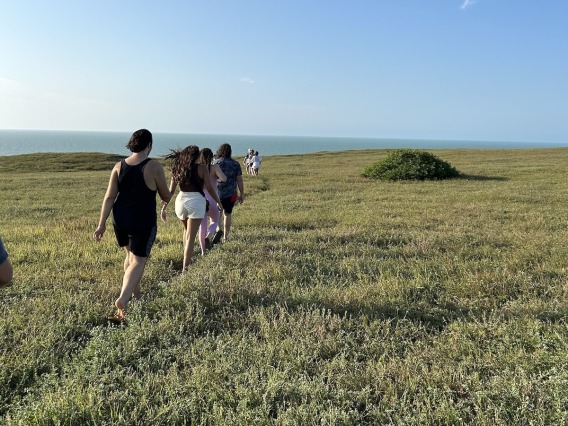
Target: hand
column 163, row 214
column 99, row 232
column 241, row 198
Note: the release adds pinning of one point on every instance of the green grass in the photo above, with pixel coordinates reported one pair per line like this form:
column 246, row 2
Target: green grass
column 339, row 300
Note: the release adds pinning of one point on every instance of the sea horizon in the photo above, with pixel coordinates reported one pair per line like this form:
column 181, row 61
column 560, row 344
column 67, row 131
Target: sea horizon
column 16, row 142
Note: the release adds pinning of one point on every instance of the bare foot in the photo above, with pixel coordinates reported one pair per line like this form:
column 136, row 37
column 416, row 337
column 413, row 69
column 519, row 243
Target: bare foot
column 120, row 310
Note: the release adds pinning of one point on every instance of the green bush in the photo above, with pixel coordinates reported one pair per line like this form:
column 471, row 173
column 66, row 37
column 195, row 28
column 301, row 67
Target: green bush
column 410, row 164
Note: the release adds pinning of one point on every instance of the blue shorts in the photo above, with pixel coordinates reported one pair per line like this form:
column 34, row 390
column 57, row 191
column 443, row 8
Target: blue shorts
column 3, row 253
column 140, row 241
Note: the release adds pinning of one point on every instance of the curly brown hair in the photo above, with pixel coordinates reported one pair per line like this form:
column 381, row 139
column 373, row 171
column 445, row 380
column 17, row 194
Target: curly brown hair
column 182, row 162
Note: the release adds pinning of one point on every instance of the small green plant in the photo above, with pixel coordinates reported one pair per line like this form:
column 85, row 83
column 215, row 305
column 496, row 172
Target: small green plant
column 410, row 164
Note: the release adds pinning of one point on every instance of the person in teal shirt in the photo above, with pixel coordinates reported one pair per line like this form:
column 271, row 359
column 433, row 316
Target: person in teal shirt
column 228, row 190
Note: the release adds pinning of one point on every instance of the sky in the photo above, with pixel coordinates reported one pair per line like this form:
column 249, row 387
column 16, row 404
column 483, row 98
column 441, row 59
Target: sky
column 444, row 69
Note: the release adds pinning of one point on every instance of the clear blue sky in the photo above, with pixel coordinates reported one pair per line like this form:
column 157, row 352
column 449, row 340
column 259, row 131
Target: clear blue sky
column 452, row 69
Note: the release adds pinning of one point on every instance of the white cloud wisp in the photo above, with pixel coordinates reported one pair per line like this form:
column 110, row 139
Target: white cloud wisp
column 467, row 3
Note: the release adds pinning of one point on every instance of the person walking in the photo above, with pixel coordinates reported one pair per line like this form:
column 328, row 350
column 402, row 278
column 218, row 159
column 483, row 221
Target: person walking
column 190, row 204
column 228, row 190
column 6, row 270
column 207, row 230
column 256, row 160
column 131, row 196
column 246, row 161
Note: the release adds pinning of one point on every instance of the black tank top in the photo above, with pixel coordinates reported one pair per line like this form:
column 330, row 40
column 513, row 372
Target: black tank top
column 135, row 205
column 193, row 183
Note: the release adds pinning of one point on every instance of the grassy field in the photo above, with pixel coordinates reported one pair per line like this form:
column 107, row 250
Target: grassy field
column 338, row 301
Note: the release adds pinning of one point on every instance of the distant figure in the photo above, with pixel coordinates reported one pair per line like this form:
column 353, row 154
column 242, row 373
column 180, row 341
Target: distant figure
column 206, row 229
column 192, row 178
column 228, row 190
column 131, row 195
column 245, row 160
column 6, row 271
column 248, row 161
column 256, row 160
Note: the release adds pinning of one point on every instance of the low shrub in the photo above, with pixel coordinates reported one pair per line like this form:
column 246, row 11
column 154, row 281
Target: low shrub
column 410, row 164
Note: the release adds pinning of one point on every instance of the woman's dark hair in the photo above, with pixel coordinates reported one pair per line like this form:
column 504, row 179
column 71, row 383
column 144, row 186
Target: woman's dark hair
column 224, row 151
column 182, row 162
column 206, row 157
column 139, row 140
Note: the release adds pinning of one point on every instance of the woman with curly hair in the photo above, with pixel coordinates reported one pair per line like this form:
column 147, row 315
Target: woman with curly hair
column 207, row 230
column 190, row 203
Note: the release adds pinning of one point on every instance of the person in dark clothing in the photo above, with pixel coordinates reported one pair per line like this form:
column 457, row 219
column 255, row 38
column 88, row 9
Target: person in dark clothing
column 228, row 189
column 131, row 195
column 6, row 271
column 191, row 203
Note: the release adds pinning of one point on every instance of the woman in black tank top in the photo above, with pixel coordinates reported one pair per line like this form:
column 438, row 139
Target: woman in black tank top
column 135, row 205
column 190, row 202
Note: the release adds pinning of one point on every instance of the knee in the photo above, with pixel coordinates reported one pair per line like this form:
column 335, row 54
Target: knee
column 6, row 273
column 137, row 260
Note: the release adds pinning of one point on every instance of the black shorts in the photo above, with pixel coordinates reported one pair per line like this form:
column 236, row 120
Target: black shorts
column 228, row 203
column 140, row 241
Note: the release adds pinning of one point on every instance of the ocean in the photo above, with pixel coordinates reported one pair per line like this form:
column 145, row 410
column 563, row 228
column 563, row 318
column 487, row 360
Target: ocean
column 13, row 142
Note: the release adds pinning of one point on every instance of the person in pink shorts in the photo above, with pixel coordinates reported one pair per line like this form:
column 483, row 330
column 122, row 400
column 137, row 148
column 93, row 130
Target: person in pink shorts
column 210, row 222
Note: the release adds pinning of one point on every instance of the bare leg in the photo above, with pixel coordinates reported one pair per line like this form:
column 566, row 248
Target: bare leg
column 227, row 225
column 136, row 294
column 130, row 283
column 191, row 232
column 127, row 258
column 184, row 236
column 214, row 215
column 203, row 233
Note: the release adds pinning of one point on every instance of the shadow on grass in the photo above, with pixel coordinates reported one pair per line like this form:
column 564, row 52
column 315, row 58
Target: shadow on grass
column 229, row 311
column 219, row 304
column 484, row 178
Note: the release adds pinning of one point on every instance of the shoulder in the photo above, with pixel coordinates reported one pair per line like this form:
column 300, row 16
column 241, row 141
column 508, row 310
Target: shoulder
column 154, row 165
column 237, row 170
column 154, row 170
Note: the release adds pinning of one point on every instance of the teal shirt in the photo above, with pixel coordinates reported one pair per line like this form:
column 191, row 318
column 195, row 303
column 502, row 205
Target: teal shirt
column 231, row 169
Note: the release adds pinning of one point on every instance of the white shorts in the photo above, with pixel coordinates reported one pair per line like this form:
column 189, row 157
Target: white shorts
column 190, row 205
